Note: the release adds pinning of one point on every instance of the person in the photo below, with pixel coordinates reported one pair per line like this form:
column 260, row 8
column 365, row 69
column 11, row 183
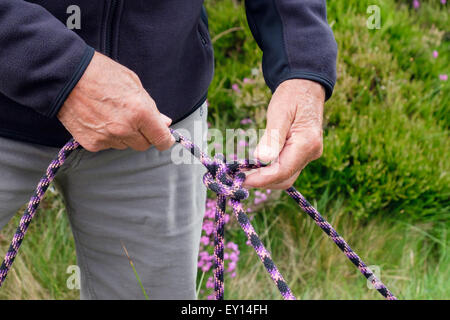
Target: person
column 115, row 80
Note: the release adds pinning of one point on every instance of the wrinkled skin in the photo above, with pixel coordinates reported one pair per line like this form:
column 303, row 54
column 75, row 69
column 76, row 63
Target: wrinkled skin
column 109, row 108
column 293, row 136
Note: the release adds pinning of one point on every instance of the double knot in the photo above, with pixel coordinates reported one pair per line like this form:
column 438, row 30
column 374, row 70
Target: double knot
column 226, row 179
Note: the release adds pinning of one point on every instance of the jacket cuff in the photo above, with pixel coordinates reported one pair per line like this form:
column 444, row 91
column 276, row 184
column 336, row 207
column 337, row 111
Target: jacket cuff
column 68, row 87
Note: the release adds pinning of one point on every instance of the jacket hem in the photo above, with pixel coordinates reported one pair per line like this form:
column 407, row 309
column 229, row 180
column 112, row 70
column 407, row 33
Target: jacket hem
column 57, row 143
column 195, row 107
column 20, row 136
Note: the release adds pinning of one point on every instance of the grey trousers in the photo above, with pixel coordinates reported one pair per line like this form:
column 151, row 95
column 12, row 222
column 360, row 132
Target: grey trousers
column 145, row 200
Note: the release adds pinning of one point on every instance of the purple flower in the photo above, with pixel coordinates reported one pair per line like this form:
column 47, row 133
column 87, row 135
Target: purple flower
column 203, row 254
column 207, row 266
column 260, row 197
column 231, row 266
column 416, row 4
column 443, row 77
column 204, row 240
column 210, row 283
column 443, row 1
column 246, row 121
column 208, row 227
column 235, row 88
column 435, row 54
column 233, row 246
column 234, row 257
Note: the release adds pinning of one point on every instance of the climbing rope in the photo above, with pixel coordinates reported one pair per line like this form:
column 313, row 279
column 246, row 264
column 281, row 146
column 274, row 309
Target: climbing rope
column 225, row 179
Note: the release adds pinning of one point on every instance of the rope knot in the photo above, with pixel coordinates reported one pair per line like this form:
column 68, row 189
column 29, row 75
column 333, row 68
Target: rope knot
column 226, row 179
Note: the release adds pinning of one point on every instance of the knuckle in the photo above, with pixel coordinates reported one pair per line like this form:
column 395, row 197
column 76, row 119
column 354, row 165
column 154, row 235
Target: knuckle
column 133, row 76
column 316, row 145
column 159, row 133
column 136, row 113
column 158, row 137
column 161, row 141
column 119, row 131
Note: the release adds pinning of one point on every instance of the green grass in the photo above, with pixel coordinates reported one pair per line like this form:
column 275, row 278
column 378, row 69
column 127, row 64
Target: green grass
column 383, row 180
column 413, row 263
column 40, row 269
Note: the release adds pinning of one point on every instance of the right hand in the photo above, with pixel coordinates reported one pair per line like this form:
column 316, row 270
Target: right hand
column 109, row 108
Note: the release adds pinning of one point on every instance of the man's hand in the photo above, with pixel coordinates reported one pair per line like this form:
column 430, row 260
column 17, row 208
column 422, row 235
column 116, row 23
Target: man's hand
column 293, row 134
column 109, row 108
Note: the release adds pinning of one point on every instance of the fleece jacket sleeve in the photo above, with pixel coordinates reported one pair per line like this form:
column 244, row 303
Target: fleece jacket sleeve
column 296, row 41
column 41, row 60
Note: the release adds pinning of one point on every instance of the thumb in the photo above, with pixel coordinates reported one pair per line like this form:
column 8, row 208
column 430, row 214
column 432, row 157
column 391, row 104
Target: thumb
column 274, row 138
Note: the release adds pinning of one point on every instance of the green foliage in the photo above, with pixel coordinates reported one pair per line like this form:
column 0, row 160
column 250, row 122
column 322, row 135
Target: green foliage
column 386, row 140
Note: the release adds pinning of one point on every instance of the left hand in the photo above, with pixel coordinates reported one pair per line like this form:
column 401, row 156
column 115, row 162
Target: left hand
column 293, row 135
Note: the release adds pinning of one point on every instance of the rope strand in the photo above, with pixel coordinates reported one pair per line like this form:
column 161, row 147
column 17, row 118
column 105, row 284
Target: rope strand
column 226, row 180
column 33, row 204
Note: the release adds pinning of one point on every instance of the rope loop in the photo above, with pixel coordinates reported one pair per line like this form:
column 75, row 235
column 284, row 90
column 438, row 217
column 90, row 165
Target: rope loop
column 225, row 179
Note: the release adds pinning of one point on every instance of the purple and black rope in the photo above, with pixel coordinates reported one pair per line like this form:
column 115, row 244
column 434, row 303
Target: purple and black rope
column 226, row 180
column 33, row 204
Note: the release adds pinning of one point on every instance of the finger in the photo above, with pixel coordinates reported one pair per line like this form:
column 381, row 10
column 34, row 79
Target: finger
column 293, row 159
column 137, row 142
column 154, row 127
column 279, row 120
column 92, row 144
column 119, row 145
column 285, row 184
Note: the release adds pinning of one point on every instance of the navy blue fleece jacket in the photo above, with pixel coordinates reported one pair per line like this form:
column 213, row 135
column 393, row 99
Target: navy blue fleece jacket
column 166, row 42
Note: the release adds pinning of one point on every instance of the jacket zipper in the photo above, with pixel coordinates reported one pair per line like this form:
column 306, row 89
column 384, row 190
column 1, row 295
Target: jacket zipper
column 203, row 38
column 109, row 27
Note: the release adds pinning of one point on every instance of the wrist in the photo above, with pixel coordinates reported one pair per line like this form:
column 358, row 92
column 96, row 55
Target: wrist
column 305, row 87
